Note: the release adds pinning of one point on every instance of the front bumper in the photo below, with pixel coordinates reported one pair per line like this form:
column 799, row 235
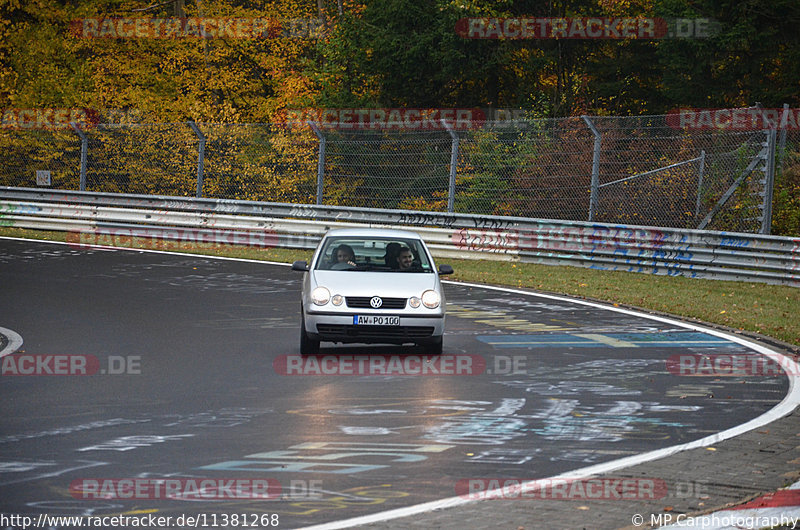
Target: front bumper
column 339, row 327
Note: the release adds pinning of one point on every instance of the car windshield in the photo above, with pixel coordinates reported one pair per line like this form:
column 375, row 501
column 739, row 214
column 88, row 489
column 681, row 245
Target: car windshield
column 380, row 254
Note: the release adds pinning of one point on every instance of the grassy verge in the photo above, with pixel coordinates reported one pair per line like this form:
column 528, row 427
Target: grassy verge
column 770, row 310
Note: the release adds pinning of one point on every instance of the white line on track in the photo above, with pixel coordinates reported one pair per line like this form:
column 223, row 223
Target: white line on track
column 785, row 407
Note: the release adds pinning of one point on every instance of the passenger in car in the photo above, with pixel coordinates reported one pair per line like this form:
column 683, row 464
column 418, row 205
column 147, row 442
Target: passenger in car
column 390, row 258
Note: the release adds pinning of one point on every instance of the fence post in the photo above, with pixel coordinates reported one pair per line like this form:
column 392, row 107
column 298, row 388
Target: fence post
column 594, row 195
column 201, row 155
column 701, row 170
column 320, row 161
column 451, row 187
column 771, row 132
column 782, row 141
column 769, row 184
column 84, row 152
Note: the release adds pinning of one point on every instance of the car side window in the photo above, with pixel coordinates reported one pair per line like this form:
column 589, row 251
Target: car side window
column 327, row 257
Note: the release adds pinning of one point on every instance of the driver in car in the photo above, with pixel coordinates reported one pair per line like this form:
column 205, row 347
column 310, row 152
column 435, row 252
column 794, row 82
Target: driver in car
column 405, row 259
column 344, row 257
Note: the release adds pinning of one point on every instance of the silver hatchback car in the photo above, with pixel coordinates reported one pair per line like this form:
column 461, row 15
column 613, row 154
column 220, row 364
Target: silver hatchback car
column 371, row 285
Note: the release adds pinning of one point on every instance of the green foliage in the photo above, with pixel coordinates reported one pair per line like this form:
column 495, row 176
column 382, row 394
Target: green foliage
column 46, row 62
column 397, row 53
column 486, row 182
column 786, row 200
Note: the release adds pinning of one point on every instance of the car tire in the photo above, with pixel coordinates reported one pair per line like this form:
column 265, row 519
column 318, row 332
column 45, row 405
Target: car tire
column 434, row 347
column 308, row 346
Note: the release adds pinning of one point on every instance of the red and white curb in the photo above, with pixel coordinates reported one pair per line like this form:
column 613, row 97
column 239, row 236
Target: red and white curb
column 779, row 509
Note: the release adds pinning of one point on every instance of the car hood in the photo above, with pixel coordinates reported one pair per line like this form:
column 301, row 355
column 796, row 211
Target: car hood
column 387, row 284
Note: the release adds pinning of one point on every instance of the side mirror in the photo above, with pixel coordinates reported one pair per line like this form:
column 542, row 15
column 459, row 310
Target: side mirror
column 445, row 269
column 300, row 265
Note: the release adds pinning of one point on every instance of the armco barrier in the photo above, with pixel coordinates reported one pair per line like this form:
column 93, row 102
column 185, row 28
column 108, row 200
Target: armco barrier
column 692, row 253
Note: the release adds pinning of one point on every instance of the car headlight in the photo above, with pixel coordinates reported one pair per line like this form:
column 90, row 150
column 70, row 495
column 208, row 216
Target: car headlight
column 414, row 302
column 431, row 299
column 320, row 296
column 337, row 299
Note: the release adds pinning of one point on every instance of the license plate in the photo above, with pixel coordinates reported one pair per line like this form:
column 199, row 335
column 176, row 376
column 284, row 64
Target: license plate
column 375, row 320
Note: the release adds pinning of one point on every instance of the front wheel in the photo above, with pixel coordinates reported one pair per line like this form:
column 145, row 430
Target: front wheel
column 307, row 345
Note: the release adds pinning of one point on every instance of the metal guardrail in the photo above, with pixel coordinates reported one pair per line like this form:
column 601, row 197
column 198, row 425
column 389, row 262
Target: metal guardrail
column 665, row 251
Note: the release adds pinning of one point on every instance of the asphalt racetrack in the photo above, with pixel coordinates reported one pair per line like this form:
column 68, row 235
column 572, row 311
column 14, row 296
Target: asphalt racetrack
column 147, row 367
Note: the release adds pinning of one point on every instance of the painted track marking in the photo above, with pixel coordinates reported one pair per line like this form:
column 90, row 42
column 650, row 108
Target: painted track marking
column 784, row 408
column 14, row 342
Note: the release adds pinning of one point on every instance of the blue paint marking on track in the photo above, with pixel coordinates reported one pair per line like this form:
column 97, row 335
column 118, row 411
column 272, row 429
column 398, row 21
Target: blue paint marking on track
column 605, row 340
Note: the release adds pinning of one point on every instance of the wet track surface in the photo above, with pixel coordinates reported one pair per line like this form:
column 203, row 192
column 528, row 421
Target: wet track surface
column 197, row 375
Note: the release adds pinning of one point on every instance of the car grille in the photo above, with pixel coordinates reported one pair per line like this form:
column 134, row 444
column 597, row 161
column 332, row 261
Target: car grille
column 362, row 302
column 386, row 332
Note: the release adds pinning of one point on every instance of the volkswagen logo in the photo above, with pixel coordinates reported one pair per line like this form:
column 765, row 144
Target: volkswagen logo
column 376, row 302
